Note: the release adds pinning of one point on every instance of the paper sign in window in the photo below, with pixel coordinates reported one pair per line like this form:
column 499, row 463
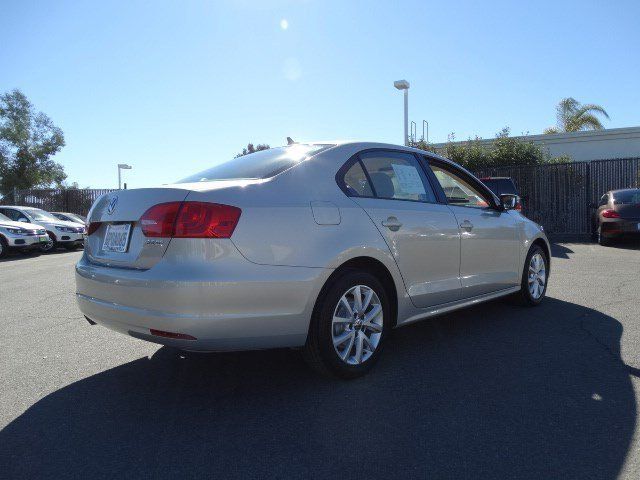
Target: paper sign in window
column 408, row 179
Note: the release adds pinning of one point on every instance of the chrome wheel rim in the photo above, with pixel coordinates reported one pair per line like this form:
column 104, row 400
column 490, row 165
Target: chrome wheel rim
column 356, row 327
column 537, row 276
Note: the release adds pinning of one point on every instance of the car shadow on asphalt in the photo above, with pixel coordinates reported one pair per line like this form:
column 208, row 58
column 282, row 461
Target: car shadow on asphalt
column 16, row 256
column 560, row 251
column 496, row 391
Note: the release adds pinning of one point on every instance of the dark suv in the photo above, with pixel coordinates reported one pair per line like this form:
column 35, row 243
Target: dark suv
column 502, row 186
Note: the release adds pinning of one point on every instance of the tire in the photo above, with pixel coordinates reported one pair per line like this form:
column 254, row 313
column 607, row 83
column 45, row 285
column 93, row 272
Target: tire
column 4, row 249
column 342, row 360
column 51, row 246
column 525, row 296
column 602, row 240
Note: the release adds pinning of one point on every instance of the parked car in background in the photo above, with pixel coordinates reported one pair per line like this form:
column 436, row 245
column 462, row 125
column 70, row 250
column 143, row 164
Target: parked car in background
column 69, row 235
column 321, row 246
column 503, row 186
column 20, row 236
column 617, row 215
column 70, row 217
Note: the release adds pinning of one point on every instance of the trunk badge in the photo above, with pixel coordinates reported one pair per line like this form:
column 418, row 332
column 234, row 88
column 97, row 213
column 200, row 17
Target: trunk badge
column 112, row 205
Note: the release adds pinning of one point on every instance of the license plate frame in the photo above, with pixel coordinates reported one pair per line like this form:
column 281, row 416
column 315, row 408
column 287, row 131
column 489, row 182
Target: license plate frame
column 117, row 237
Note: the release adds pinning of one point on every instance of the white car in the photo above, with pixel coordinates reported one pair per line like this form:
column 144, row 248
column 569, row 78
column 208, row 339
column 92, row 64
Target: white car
column 20, row 236
column 64, row 234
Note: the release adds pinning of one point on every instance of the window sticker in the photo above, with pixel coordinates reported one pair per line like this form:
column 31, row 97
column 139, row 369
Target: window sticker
column 409, row 179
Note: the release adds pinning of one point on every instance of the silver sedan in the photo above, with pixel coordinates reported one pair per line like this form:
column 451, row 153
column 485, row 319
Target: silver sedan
column 323, row 246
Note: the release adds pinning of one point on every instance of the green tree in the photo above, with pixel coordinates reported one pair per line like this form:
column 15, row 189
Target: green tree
column 251, row 149
column 573, row 116
column 28, row 140
column 475, row 154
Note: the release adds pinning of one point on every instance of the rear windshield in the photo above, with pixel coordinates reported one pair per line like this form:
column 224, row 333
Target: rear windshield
column 630, row 197
column 259, row 165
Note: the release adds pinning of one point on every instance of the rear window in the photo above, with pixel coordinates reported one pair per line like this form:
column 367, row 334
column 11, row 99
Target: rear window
column 629, row 197
column 258, row 165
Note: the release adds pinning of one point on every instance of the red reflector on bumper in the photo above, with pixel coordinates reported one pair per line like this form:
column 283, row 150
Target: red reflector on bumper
column 179, row 336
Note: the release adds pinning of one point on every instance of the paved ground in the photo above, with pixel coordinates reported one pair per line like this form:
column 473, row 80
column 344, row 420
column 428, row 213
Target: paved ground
column 496, row 391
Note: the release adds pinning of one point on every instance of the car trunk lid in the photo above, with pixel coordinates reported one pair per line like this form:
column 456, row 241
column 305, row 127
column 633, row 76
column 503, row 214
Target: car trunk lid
column 125, row 207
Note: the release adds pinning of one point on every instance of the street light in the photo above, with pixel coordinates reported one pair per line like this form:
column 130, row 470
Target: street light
column 404, row 85
column 122, row 166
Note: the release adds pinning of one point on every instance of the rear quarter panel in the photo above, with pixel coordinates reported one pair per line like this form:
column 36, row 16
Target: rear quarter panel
column 277, row 224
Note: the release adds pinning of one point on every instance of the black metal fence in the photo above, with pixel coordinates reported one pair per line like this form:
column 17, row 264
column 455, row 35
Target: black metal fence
column 556, row 196
column 77, row 201
column 559, row 196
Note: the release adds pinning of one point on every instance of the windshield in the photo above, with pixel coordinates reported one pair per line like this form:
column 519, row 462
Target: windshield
column 628, row 197
column 38, row 214
column 258, row 165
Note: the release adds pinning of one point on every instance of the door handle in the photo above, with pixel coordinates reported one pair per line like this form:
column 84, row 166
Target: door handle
column 392, row 224
column 466, row 225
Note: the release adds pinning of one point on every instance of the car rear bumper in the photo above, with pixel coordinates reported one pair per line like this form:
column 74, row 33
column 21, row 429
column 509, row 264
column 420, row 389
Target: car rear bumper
column 620, row 227
column 221, row 299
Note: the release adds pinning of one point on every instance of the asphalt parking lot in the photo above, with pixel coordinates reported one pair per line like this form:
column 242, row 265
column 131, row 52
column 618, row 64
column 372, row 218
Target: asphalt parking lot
column 496, row 391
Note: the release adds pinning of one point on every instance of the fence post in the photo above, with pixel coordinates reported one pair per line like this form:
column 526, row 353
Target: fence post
column 15, row 195
column 588, row 190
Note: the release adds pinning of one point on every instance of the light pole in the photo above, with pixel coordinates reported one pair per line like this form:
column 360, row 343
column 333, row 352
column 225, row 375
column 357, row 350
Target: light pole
column 122, row 166
column 404, row 85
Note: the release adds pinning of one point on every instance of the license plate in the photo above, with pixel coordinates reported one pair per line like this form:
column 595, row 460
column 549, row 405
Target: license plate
column 117, row 238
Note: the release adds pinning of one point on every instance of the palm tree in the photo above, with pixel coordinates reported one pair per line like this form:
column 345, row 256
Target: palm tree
column 574, row 117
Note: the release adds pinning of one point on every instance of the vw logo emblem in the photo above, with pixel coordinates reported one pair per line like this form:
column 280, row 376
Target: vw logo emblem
column 112, row 205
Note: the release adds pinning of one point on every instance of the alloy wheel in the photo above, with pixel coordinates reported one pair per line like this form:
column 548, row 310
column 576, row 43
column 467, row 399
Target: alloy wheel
column 537, row 276
column 357, row 325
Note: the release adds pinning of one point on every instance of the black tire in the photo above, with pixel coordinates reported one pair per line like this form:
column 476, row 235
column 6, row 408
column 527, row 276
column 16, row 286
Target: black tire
column 602, row 240
column 319, row 351
column 524, row 296
column 4, row 249
column 51, row 246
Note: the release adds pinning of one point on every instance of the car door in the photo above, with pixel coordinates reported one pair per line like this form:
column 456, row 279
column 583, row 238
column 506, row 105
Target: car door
column 489, row 237
column 422, row 234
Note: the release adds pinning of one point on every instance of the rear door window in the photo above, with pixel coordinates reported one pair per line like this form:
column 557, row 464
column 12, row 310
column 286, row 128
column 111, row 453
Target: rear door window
column 397, row 176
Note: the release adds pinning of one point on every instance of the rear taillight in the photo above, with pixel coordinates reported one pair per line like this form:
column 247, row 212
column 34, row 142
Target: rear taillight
column 190, row 220
column 159, row 220
column 93, row 227
column 610, row 214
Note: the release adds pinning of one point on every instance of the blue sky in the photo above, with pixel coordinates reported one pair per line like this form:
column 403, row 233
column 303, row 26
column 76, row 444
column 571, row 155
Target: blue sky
column 173, row 87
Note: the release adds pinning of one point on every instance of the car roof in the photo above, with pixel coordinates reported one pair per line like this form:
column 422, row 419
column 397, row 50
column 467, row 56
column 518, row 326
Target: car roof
column 623, row 190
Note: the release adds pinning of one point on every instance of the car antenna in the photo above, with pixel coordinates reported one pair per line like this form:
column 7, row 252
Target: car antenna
column 290, row 141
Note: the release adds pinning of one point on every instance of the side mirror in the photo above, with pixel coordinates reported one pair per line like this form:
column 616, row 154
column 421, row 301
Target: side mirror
column 508, row 201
